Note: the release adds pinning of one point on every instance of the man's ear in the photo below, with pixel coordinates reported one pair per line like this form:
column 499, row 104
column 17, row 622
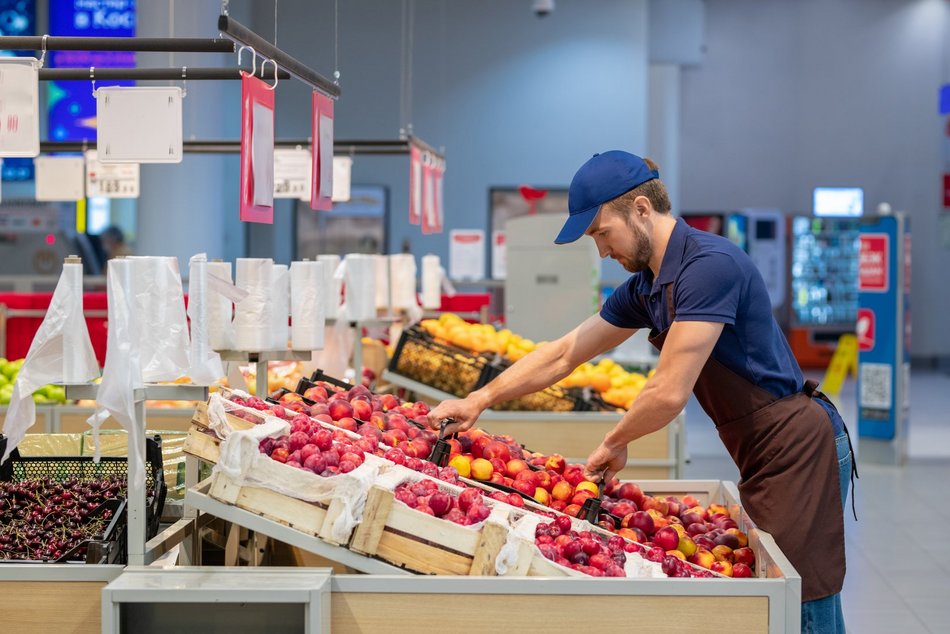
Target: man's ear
column 643, row 206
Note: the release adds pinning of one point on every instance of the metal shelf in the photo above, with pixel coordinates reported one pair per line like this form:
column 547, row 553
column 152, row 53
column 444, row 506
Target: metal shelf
column 136, row 491
column 198, row 498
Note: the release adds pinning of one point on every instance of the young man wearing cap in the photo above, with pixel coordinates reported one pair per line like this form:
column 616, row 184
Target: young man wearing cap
column 710, row 315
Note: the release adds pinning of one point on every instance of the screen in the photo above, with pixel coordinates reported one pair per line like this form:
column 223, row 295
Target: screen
column 839, row 201
column 765, row 229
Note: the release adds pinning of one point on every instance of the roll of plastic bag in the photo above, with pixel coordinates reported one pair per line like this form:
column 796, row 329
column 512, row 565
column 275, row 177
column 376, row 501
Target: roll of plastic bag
column 159, row 311
column 431, row 282
column 402, row 280
column 220, row 307
column 307, row 305
column 204, row 363
column 280, row 306
column 382, row 282
column 332, row 287
column 60, row 352
column 358, row 273
column 252, row 320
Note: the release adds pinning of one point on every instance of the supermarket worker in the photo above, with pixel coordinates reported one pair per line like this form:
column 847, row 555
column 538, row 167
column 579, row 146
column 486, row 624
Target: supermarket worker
column 709, row 313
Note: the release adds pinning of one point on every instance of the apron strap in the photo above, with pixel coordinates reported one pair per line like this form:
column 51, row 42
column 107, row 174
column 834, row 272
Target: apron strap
column 811, row 391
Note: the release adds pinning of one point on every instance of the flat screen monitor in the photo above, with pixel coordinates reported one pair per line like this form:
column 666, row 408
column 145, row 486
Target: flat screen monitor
column 839, row 201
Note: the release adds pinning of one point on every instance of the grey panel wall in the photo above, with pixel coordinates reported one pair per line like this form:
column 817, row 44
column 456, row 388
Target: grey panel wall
column 792, row 95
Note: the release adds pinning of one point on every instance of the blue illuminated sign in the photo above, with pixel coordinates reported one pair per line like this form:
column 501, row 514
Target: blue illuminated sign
column 72, row 108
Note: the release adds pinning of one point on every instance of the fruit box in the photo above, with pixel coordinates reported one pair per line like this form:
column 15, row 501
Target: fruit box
column 202, row 442
column 398, row 534
column 18, row 468
column 550, row 399
column 420, row 357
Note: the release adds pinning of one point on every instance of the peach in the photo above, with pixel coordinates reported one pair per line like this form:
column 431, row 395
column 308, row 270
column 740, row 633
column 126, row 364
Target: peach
column 572, row 509
column 702, row 558
column 544, row 479
column 722, row 553
column 744, row 555
column 524, row 486
column 497, row 478
column 497, row 450
column 742, row 537
column 556, row 463
column 462, row 464
column 562, row 490
column 686, row 546
column 676, row 553
column 740, row 571
column 630, row 491
column 722, row 567
column 515, row 466
column 666, row 538
column 340, row 409
column 588, row 486
column 542, row 496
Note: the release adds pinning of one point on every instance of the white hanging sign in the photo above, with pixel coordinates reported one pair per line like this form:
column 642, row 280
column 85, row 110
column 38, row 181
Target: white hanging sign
column 139, row 124
column 292, row 172
column 467, row 254
column 118, row 180
column 60, row 178
column 19, row 107
column 342, row 177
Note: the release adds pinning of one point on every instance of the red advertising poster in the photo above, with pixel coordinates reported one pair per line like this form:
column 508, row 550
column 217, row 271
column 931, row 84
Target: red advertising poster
column 257, row 150
column 415, row 185
column 439, row 199
column 428, row 195
column 865, row 329
column 873, row 263
column 321, row 191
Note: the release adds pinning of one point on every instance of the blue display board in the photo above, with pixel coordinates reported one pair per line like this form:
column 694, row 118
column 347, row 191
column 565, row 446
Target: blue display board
column 72, row 108
column 883, row 327
column 17, row 17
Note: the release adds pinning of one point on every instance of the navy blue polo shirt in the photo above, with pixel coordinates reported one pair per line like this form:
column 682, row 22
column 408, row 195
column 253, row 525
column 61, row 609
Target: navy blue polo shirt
column 713, row 280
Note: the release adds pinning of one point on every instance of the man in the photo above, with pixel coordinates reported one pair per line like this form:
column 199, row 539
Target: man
column 709, row 312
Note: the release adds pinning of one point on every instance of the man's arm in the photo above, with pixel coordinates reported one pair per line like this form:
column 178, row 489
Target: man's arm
column 687, row 347
column 535, row 371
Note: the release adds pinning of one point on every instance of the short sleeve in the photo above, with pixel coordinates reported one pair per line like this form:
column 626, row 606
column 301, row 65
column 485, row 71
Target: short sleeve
column 708, row 289
column 623, row 308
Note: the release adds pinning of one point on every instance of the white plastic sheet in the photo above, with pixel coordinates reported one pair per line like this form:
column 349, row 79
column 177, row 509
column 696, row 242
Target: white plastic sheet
column 60, row 352
column 205, row 364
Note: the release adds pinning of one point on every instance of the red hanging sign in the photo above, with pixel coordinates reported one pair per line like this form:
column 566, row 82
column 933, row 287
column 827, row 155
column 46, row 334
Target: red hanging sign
column 321, row 191
column 415, row 185
column 257, row 150
column 439, row 199
column 428, row 195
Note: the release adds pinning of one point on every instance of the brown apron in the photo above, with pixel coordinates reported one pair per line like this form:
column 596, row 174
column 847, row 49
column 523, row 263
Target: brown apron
column 785, row 451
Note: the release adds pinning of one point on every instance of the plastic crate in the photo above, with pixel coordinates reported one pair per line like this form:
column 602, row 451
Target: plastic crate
column 59, row 468
column 550, row 399
column 445, row 367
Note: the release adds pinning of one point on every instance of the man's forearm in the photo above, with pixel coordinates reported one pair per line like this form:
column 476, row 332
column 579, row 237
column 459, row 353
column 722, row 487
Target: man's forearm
column 535, row 371
column 652, row 410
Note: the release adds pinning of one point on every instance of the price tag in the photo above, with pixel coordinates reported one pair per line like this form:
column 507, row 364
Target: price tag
column 19, row 107
column 60, row 178
column 119, row 180
column 342, row 177
column 292, row 174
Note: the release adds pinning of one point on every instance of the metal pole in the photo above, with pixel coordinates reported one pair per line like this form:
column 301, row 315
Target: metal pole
column 364, row 148
column 142, row 44
column 136, row 493
column 261, row 379
column 240, row 33
column 158, row 74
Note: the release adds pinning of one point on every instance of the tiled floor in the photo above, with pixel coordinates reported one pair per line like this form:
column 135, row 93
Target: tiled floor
column 898, row 551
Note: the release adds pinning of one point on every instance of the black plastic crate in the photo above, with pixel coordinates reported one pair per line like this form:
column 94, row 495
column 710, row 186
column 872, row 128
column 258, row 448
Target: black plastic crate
column 320, row 375
column 550, row 399
column 18, row 468
column 445, row 367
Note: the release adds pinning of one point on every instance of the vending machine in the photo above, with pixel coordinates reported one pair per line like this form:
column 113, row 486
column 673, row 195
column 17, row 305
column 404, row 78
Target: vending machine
column 883, row 333
column 823, row 291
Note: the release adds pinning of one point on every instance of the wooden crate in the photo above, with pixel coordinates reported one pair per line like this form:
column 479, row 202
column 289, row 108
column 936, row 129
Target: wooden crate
column 430, row 545
column 202, row 442
column 312, row 518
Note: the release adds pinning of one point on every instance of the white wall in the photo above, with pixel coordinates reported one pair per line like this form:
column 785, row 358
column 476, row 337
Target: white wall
column 792, row 95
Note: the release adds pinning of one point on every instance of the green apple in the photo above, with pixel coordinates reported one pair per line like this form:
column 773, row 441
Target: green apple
column 6, row 393
column 4, row 380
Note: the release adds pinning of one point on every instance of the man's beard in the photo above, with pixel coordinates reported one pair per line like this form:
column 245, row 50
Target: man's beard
column 644, row 250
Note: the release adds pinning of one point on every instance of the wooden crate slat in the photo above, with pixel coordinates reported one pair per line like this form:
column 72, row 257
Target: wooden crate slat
column 421, row 557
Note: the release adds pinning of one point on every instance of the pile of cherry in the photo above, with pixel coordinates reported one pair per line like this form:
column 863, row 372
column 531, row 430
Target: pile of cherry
column 43, row 519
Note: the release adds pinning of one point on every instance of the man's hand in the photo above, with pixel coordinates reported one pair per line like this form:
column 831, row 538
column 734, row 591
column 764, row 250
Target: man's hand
column 464, row 412
column 605, row 461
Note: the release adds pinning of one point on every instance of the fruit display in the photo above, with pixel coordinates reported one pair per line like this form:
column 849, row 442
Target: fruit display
column 48, row 394
column 420, row 357
column 280, row 374
column 425, row 496
column 615, row 385
column 45, row 520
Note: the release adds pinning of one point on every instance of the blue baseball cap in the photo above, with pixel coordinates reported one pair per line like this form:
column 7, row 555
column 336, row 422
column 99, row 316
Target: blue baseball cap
column 601, row 179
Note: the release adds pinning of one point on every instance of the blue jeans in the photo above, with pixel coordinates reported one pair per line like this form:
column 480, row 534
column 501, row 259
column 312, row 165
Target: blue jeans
column 824, row 616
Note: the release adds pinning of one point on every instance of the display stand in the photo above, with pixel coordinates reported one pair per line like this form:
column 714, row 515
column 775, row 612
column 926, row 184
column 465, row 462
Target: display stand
column 260, row 359
column 660, row 455
column 198, row 498
column 136, row 491
column 216, row 598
